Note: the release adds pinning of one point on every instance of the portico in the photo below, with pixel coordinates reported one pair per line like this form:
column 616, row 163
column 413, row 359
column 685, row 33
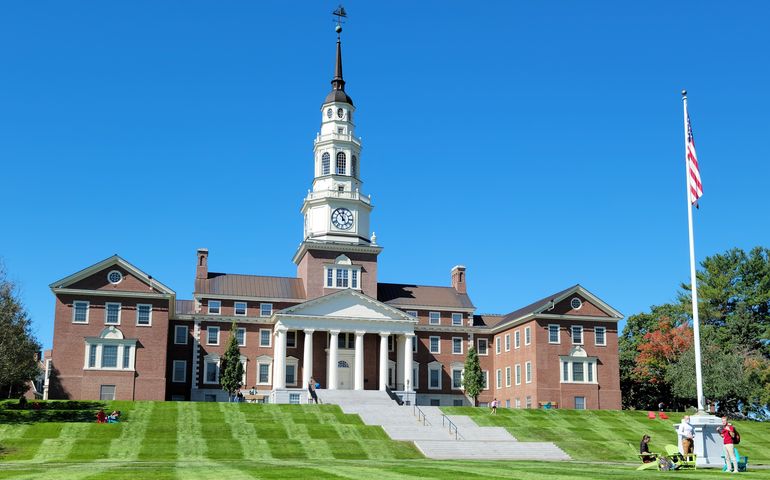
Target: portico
column 347, row 317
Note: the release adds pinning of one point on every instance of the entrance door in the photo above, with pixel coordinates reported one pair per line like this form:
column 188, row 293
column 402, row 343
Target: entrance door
column 344, row 375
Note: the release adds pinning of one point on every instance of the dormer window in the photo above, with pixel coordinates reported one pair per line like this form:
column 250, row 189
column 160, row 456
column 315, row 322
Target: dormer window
column 342, row 274
column 341, row 161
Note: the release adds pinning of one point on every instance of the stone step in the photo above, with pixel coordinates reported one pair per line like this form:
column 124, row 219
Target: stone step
column 490, row 450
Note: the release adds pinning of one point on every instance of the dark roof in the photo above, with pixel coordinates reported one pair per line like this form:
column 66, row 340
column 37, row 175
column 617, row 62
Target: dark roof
column 185, row 307
column 338, row 83
column 403, row 294
column 250, row 286
column 338, row 96
column 510, row 317
column 488, row 320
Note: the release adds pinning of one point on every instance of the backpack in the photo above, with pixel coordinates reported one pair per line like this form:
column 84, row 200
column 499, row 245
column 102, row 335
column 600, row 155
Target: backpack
column 736, row 436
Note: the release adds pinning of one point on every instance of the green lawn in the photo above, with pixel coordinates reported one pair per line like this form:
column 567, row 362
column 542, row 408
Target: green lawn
column 183, row 440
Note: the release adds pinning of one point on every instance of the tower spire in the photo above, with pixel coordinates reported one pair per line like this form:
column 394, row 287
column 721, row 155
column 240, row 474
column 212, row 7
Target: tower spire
column 338, row 83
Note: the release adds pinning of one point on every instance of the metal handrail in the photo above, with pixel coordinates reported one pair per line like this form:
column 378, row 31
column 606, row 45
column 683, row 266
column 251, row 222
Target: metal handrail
column 451, row 426
column 420, row 415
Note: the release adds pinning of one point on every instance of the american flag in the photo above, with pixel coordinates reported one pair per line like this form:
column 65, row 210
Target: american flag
column 693, row 173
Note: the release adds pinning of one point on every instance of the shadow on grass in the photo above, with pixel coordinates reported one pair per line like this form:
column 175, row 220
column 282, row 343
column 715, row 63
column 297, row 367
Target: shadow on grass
column 11, row 412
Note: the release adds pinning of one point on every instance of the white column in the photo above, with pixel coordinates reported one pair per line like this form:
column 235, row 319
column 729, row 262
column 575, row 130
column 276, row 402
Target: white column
column 400, row 362
column 358, row 373
column 307, row 358
column 408, row 339
column 334, row 335
column 384, row 360
column 279, row 363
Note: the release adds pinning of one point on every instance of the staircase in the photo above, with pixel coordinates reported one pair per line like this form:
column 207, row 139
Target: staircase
column 432, row 438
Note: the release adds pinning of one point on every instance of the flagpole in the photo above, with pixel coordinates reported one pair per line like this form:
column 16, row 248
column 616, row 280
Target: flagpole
column 693, row 279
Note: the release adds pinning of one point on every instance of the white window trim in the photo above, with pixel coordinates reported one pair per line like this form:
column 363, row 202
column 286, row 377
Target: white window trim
column 528, row 372
column 261, row 309
column 186, row 334
column 478, row 347
column 435, row 366
column 507, row 342
column 498, row 348
column 454, row 368
column 110, row 274
column 350, row 269
column 219, row 308
column 245, row 309
column 582, row 334
column 498, row 379
column 206, row 360
column 88, row 311
column 461, row 345
column 517, row 339
column 296, row 336
column 174, row 378
column 527, row 335
column 558, row 334
column 415, row 375
column 507, row 376
column 265, row 360
column 269, row 337
column 517, row 374
column 244, row 336
column 149, row 320
column 292, row 362
column 604, row 334
column 122, row 344
column 120, row 312
column 454, row 317
column 485, row 375
column 208, row 338
column 588, row 362
column 430, row 344
column 430, row 318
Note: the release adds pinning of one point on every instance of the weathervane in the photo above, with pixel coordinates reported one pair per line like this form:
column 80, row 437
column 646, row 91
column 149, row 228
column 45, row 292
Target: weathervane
column 340, row 14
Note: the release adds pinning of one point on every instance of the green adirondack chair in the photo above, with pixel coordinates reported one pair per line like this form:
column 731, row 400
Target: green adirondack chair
column 682, row 461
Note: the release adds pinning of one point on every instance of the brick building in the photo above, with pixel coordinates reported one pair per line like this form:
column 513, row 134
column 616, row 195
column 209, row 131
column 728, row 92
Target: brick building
column 121, row 334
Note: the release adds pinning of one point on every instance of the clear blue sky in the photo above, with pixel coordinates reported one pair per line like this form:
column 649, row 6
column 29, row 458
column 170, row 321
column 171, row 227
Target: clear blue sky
column 538, row 143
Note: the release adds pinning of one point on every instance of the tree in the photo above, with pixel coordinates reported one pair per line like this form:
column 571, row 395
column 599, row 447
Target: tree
column 18, row 346
column 231, row 368
column 473, row 377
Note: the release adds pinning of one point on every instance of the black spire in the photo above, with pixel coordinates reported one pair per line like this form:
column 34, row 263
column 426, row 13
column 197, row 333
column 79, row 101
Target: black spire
column 338, row 84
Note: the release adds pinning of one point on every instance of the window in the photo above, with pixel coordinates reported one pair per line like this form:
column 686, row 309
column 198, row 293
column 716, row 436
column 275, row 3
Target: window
column 294, row 398
column 340, row 163
column 412, row 313
column 354, row 279
column 590, row 371
column 212, row 336
column 329, row 277
column 92, row 356
column 527, row 335
column 265, row 309
column 457, row 345
column 528, row 372
column 497, row 346
column 180, row 334
column 434, row 318
column 342, row 278
column 107, row 392
column 577, row 371
column 434, row 377
column 499, row 379
column 240, row 335
column 214, row 307
column 415, row 341
column 485, row 376
column 518, row 374
column 577, row 335
column 354, row 166
column 507, row 342
column 435, row 345
column 565, row 372
column 79, row 311
column 483, row 346
column 264, row 373
column 112, row 313
column 517, row 339
column 553, row 334
column 126, row 357
column 580, row 403
column 325, row 163
column 291, row 374
column 507, row 403
column 457, row 402
column 529, row 401
column 114, row 277
column 179, row 374
column 240, row 308
column 109, row 356
column 211, row 370
column 291, row 339
column 143, row 314
column 265, row 336
column 415, row 375
column 391, row 342
column 575, row 303
column 346, row 340
column 457, row 319
column 517, row 403
column 600, row 337
column 507, row 376
column 457, row 378
column 435, row 402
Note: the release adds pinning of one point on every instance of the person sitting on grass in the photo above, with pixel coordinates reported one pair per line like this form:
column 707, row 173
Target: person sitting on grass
column 100, row 416
column 114, row 417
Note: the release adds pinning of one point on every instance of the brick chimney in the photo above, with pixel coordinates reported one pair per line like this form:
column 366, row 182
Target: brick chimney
column 458, row 279
column 202, row 267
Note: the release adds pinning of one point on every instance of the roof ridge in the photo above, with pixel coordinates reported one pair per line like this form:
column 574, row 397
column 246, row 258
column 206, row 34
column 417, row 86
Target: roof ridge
column 252, row 275
column 416, row 285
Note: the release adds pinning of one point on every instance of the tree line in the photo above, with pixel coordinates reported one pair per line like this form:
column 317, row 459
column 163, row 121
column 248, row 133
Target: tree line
column 657, row 356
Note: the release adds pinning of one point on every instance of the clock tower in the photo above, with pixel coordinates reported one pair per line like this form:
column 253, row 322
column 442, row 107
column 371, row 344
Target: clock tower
column 337, row 250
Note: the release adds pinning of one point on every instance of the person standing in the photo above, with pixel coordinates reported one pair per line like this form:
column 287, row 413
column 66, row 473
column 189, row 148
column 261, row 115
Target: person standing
column 493, row 406
column 728, row 432
column 687, row 433
column 311, row 390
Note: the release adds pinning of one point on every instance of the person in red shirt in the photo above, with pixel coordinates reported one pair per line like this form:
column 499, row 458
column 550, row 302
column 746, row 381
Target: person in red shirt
column 728, row 432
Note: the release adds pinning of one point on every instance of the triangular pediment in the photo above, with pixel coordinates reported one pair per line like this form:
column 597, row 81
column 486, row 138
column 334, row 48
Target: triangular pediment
column 348, row 304
column 585, row 304
column 96, row 277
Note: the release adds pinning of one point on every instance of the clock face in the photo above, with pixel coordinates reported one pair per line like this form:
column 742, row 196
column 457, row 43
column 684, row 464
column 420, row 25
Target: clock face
column 340, row 113
column 342, row 218
column 329, row 113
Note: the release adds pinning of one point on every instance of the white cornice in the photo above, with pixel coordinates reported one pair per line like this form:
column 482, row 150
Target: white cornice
column 354, row 293
column 108, row 262
column 333, row 247
column 582, row 291
column 446, row 329
column 109, row 293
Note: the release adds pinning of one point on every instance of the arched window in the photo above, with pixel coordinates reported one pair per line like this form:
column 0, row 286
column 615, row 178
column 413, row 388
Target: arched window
column 325, row 163
column 341, row 163
column 354, row 166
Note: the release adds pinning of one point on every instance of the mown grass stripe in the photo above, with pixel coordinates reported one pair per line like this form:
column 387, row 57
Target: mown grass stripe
column 190, row 444
column 57, row 449
column 253, row 447
column 129, row 444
